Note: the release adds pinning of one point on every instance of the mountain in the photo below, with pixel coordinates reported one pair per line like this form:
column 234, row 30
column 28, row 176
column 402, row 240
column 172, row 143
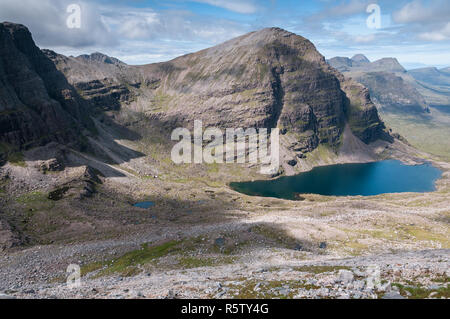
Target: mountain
column 390, row 86
column 432, row 76
column 106, row 127
column 361, row 63
column 360, row 58
column 37, row 104
column 433, row 84
column 344, row 64
column 391, row 92
column 265, row 79
column 386, row 65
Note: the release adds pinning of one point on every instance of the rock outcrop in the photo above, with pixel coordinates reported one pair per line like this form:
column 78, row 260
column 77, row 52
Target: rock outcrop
column 82, row 186
column 37, row 104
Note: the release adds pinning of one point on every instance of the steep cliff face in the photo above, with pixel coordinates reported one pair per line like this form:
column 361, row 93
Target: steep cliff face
column 265, row 79
column 37, row 104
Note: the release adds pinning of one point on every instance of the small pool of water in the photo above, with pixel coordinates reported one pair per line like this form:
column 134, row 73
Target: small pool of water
column 145, row 205
column 365, row 179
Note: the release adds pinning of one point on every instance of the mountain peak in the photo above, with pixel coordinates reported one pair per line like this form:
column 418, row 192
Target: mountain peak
column 275, row 33
column 100, row 57
column 263, row 36
column 18, row 33
column 13, row 26
column 387, row 65
column 273, row 30
column 360, row 58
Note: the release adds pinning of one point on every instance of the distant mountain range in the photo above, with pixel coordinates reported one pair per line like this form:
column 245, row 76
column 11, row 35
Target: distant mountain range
column 393, row 88
column 433, row 84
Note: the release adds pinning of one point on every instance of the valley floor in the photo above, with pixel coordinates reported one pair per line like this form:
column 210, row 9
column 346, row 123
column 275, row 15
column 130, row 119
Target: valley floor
column 207, row 241
column 204, row 240
column 428, row 132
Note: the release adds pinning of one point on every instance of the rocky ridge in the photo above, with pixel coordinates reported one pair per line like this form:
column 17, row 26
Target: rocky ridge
column 391, row 87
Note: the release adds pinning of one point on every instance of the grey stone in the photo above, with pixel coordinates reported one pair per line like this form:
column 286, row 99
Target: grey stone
column 393, row 295
column 284, row 291
column 345, row 276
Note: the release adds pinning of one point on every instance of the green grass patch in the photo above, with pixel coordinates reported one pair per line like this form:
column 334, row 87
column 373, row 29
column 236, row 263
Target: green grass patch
column 160, row 102
column 35, row 201
column 320, row 269
column 443, row 279
column 4, row 148
column 423, row 234
column 428, row 134
column 17, row 159
column 254, row 289
column 189, row 262
column 323, row 153
column 128, row 264
column 421, row 292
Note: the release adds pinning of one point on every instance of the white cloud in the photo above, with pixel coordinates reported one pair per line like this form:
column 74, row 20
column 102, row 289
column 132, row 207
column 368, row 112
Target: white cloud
column 367, row 38
column 425, row 21
column 135, row 35
column 143, row 35
column 47, row 21
column 415, row 12
column 147, row 24
column 240, row 6
column 412, row 12
column 437, row 35
column 350, row 8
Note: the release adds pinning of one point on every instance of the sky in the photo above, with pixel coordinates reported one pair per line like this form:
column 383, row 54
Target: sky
column 416, row 32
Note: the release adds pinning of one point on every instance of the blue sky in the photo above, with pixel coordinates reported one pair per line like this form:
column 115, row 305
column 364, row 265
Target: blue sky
column 417, row 32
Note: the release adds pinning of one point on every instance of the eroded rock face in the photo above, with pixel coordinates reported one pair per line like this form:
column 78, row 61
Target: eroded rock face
column 51, row 165
column 362, row 114
column 37, row 104
column 83, row 186
column 265, row 79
